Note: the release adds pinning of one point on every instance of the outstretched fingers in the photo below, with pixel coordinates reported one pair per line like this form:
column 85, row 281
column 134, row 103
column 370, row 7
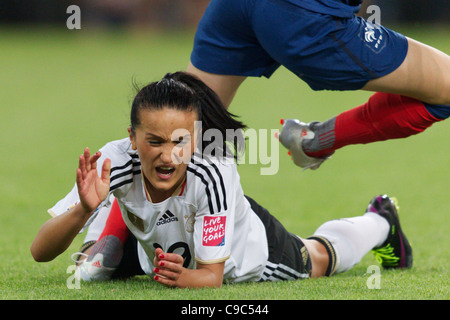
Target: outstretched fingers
column 106, row 169
column 86, row 162
column 92, row 188
column 81, row 167
column 93, row 160
column 87, row 156
column 79, row 178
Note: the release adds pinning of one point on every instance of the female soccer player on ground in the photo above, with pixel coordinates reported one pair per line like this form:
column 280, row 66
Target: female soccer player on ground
column 179, row 213
column 325, row 44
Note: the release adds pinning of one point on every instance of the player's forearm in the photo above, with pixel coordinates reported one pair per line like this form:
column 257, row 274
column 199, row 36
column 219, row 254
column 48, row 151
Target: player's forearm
column 56, row 235
column 172, row 275
column 199, row 278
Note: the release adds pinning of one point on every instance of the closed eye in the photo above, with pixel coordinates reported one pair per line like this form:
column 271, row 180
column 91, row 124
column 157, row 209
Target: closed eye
column 154, row 143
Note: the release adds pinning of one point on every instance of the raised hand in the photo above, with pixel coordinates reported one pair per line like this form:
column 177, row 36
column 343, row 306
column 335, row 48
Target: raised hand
column 92, row 189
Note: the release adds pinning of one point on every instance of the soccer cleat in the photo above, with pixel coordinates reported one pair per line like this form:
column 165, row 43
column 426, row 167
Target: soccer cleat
column 102, row 261
column 95, row 270
column 395, row 252
column 291, row 136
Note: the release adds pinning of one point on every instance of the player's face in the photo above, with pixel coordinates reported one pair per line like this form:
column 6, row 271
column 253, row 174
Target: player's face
column 165, row 143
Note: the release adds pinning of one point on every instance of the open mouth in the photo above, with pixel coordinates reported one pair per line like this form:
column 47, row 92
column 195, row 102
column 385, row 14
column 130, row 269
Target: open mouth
column 165, row 172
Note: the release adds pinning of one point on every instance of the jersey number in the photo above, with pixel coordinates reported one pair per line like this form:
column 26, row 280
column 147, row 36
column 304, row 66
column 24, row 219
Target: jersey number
column 186, row 254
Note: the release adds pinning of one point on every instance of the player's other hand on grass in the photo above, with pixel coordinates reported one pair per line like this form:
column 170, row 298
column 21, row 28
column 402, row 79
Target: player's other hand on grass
column 92, row 188
column 168, row 267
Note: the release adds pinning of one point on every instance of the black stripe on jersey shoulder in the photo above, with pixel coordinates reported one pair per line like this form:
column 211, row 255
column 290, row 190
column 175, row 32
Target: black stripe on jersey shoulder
column 211, row 178
column 125, row 173
column 120, row 184
column 196, row 161
column 222, row 184
column 130, row 162
column 133, row 167
column 208, row 193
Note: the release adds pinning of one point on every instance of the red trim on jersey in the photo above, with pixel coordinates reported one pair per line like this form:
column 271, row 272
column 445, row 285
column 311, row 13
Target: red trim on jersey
column 146, row 193
column 182, row 187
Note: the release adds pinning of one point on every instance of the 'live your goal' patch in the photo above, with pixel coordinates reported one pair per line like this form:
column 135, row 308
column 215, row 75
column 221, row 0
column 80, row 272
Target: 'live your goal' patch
column 214, row 231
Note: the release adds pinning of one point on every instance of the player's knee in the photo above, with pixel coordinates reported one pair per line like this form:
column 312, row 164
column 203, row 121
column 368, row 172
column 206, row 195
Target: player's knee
column 319, row 258
column 440, row 92
column 443, row 98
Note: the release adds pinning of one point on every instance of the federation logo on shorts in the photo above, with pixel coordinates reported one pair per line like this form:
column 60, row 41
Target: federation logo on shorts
column 373, row 37
column 214, row 231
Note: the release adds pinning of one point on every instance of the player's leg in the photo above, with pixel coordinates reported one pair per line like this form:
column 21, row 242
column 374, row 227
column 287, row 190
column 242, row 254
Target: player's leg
column 336, row 245
column 413, row 76
column 384, row 116
column 226, row 50
column 288, row 258
column 423, row 75
column 225, row 86
column 106, row 254
column 352, row 238
column 323, row 258
column 93, row 233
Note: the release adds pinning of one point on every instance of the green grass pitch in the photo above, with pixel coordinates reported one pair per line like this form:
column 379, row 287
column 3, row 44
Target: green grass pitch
column 62, row 90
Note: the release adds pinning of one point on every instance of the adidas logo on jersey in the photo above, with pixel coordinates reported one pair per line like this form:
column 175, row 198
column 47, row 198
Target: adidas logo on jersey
column 166, row 218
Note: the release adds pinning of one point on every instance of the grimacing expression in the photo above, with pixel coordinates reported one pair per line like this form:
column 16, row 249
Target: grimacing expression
column 162, row 140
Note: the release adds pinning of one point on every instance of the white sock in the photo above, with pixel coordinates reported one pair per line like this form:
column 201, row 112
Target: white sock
column 353, row 238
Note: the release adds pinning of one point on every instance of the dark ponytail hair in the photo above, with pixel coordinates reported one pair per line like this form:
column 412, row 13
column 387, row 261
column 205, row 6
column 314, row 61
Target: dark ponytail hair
column 183, row 91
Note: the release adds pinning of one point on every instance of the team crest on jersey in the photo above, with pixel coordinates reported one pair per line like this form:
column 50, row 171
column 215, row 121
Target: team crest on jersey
column 214, row 231
column 136, row 221
column 190, row 220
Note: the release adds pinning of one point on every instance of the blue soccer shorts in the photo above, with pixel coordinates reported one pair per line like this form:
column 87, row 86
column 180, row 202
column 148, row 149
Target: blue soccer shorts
column 255, row 37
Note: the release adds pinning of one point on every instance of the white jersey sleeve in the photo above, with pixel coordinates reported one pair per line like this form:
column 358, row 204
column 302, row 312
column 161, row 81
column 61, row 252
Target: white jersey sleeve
column 123, row 166
column 215, row 190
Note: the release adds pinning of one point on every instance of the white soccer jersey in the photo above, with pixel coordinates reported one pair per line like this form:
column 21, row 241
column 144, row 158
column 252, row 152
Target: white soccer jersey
column 209, row 221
